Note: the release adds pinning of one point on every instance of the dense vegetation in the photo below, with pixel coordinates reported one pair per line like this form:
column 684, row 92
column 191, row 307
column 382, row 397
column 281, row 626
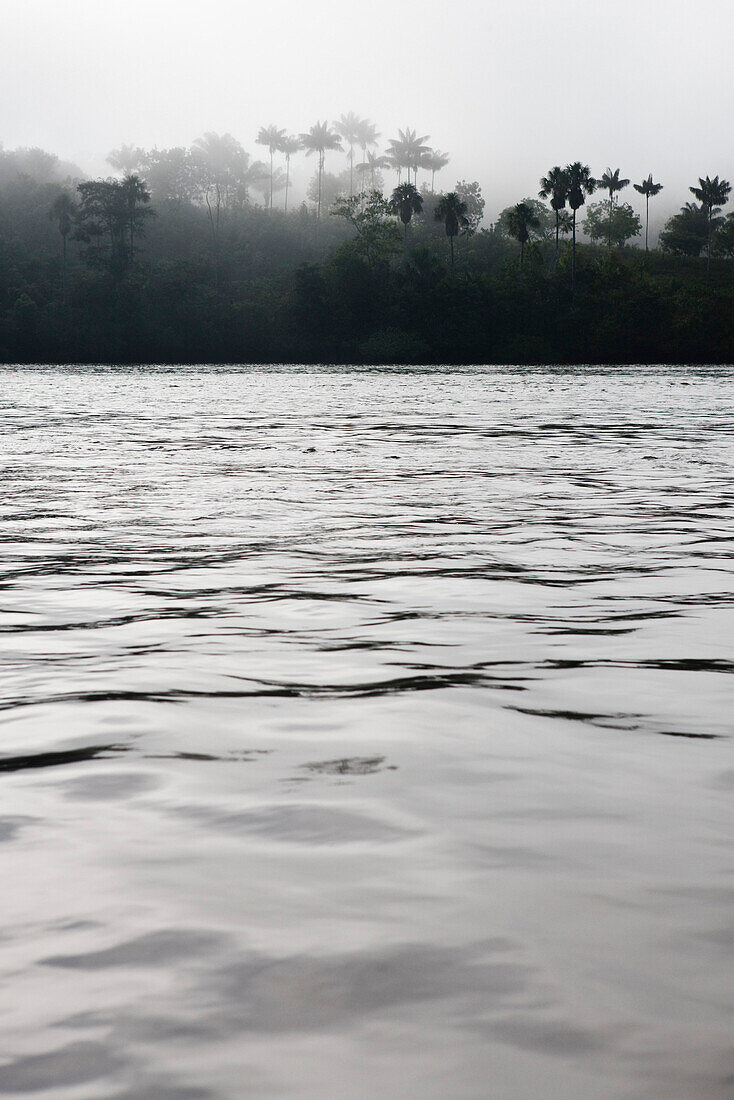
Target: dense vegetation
column 189, row 258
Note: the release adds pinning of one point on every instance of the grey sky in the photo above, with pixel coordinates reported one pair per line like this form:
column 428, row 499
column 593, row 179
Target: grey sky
column 508, row 89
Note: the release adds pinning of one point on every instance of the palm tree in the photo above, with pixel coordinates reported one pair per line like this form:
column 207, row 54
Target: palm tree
column 407, row 149
column 272, row 137
column 580, row 184
column 62, row 211
column 712, row 193
column 367, row 136
column 136, row 197
column 433, row 161
column 288, row 146
column 451, row 210
column 405, row 202
column 611, row 182
column 319, row 139
column 554, row 186
column 648, row 188
column 348, row 127
column 520, row 220
column 127, row 159
column 373, row 164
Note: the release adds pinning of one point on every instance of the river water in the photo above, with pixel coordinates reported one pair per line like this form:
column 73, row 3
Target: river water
column 367, row 733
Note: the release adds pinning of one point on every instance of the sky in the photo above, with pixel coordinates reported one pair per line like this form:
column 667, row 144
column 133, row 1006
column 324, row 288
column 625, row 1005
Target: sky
column 508, row 89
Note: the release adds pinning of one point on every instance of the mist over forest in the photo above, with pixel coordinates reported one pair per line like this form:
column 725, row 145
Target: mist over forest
column 310, row 183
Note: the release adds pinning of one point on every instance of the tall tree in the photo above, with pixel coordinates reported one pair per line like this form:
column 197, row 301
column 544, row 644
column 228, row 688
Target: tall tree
column 367, row 136
column 136, row 197
column 407, row 150
column 580, row 184
column 127, row 159
column 555, row 187
column 521, row 220
column 373, row 164
column 62, row 212
column 648, row 189
column 451, row 210
column 289, row 146
column 433, row 161
column 348, row 128
column 405, row 202
column 222, row 173
column 611, row 182
column 116, row 211
column 319, row 140
column 272, row 138
column 712, row 194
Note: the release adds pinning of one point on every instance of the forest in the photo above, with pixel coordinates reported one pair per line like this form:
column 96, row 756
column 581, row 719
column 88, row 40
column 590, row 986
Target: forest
column 201, row 255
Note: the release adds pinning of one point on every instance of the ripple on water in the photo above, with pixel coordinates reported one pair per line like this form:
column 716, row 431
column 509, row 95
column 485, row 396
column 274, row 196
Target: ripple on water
column 367, row 732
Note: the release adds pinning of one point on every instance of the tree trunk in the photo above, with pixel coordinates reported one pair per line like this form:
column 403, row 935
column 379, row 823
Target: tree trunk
column 647, row 218
column 287, row 180
column 321, row 176
column 573, row 260
column 271, row 181
column 451, row 242
column 708, row 244
column 611, row 212
column 558, row 226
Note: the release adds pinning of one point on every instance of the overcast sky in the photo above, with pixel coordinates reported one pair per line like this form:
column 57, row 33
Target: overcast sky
column 507, row 88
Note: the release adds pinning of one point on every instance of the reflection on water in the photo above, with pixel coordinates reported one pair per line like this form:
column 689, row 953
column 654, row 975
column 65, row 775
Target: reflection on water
column 366, row 732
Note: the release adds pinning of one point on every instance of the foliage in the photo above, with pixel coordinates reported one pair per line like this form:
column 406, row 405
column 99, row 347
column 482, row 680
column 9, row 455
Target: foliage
column 369, row 214
column 282, row 287
column 405, row 202
column 471, row 196
column 614, row 222
column 521, row 220
column 686, row 233
column 541, row 224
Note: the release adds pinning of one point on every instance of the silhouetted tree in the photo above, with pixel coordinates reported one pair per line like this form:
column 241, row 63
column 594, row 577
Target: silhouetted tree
column 373, row 164
column 349, row 127
column 62, row 212
column 580, row 184
column 319, row 140
column 289, row 146
column 612, row 222
column 521, row 220
column 405, row 202
column 711, row 193
column 108, row 208
column 369, row 214
column 648, row 189
column 407, row 150
column 451, row 210
column 611, row 182
column 433, row 162
column 136, row 197
column 471, row 195
column 272, row 138
column 554, row 187
column 686, row 233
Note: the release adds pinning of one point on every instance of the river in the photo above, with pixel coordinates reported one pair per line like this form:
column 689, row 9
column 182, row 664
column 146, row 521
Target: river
column 367, row 733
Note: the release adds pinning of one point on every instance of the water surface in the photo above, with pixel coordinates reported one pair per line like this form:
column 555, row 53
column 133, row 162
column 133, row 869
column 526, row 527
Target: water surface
column 366, row 733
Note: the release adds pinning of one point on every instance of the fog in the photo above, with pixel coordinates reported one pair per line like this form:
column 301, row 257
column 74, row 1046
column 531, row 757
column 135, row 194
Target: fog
column 508, row 90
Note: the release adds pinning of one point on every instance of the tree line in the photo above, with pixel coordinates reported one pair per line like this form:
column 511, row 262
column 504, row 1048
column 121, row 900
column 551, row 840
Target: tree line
column 175, row 262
